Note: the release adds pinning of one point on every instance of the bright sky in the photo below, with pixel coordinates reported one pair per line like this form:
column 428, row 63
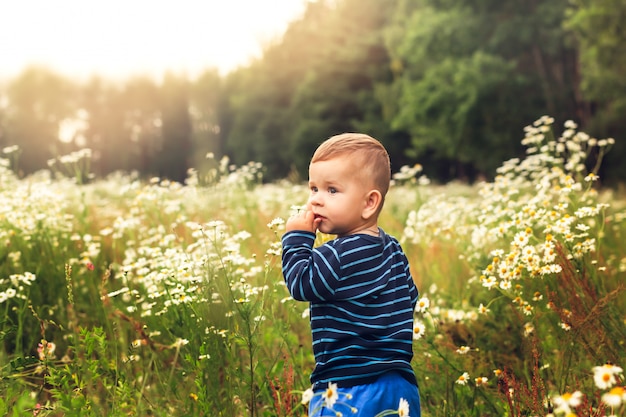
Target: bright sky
column 118, row 38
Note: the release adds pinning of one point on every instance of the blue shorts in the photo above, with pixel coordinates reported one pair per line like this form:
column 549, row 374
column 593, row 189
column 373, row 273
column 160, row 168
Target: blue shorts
column 370, row 399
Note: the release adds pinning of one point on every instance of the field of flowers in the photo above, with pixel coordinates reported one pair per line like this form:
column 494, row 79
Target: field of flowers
column 124, row 297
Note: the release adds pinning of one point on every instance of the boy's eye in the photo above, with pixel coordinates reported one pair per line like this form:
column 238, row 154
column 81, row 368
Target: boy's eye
column 332, row 190
column 313, row 189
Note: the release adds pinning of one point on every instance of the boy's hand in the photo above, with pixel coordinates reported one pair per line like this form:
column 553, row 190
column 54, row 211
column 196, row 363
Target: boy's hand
column 303, row 220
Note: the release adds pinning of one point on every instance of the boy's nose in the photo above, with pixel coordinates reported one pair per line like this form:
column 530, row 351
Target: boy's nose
column 315, row 200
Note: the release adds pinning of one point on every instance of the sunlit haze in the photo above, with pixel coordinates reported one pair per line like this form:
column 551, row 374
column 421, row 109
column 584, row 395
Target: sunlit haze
column 118, row 38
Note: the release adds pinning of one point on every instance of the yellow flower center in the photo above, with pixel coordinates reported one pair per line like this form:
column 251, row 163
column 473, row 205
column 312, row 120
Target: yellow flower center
column 619, row 391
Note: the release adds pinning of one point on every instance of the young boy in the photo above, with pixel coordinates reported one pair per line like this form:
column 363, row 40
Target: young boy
column 359, row 286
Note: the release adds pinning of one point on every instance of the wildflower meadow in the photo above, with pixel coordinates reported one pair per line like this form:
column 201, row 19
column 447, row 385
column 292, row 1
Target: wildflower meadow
column 120, row 296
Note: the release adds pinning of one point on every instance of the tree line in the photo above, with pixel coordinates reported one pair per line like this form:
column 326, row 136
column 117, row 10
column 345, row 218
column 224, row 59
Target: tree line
column 444, row 83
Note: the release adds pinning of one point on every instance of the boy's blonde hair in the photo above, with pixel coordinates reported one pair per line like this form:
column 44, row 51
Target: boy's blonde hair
column 370, row 156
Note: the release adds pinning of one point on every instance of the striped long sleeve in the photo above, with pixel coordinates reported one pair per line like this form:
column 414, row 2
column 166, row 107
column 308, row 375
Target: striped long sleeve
column 362, row 298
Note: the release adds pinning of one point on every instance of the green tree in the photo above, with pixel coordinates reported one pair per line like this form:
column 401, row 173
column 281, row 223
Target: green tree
column 471, row 74
column 107, row 134
column 38, row 100
column 206, row 97
column 258, row 122
column 174, row 156
column 143, row 121
column 338, row 91
column 4, row 104
column 316, row 81
column 598, row 31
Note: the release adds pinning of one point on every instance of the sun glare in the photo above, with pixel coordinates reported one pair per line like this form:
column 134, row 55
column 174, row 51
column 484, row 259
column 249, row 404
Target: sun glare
column 119, row 38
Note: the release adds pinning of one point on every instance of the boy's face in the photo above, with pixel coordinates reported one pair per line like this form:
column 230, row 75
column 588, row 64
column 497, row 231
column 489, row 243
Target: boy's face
column 339, row 196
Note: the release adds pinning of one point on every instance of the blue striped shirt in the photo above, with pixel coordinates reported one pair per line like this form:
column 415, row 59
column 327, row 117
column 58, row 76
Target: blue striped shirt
column 362, row 298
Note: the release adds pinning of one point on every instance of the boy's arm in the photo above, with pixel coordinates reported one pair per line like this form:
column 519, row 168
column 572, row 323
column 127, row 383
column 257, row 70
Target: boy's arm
column 413, row 291
column 301, row 267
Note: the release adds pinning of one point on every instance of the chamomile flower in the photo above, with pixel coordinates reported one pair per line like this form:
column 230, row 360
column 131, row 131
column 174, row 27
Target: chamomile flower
column 331, row 395
column 403, row 408
column 179, row 343
column 307, row 396
column 570, row 124
column 482, row 309
column 463, row 350
column 604, row 376
column 490, row 282
column 481, row 380
column 277, row 223
column 506, row 284
column 418, row 329
column 422, row 304
column 521, row 239
column 529, row 328
column 615, row 397
column 564, row 403
column 463, row 379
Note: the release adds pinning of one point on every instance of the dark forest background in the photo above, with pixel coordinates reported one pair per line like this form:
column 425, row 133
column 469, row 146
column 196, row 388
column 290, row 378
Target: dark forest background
column 444, row 83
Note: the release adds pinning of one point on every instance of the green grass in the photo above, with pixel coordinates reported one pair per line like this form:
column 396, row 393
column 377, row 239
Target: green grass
column 120, row 297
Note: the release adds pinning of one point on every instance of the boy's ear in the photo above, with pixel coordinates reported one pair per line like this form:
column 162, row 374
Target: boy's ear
column 373, row 200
